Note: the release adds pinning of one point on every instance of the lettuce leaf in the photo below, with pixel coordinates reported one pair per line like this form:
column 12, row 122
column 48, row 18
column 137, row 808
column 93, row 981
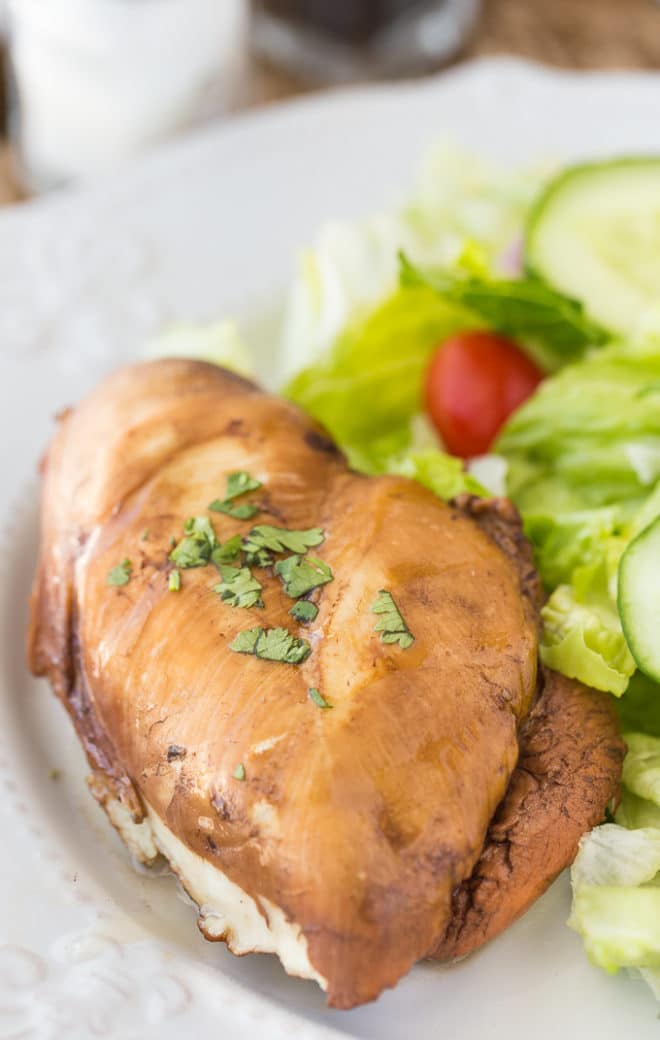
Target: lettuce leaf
column 366, row 389
column 620, row 926
column 566, row 541
column 639, row 710
column 553, row 326
column 616, row 874
column 582, row 471
column 352, row 266
column 585, row 641
column 635, row 812
column 443, row 474
column 616, row 897
column 581, row 434
column 613, row 855
column 641, row 767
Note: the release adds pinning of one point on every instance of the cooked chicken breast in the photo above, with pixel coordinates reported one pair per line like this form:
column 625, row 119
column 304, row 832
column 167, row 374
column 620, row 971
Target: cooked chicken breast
column 334, row 837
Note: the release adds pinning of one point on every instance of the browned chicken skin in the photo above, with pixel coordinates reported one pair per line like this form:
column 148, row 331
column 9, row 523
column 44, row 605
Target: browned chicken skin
column 570, row 760
column 355, row 826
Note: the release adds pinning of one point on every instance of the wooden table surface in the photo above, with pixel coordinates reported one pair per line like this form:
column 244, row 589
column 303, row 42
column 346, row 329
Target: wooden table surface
column 566, row 33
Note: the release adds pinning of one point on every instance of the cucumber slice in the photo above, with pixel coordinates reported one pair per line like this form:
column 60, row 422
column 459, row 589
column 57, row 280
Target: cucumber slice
column 639, row 598
column 595, row 235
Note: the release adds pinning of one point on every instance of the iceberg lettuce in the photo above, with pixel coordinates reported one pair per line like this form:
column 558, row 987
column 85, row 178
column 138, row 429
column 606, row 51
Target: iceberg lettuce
column 616, row 874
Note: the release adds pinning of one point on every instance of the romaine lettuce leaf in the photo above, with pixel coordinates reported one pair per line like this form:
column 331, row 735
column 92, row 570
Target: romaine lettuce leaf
column 552, row 326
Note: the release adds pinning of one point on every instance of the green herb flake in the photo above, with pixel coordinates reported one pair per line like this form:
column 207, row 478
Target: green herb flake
column 391, row 625
column 304, row 611
column 144, row 535
column 174, row 581
column 121, row 574
column 318, row 698
column 239, row 588
column 257, row 557
column 239, row 772
column 239, row 483
column 272, row 644
column 201, row 527
column 245, row 511
column 195, row 549
column 302, row 574
column 227, row 552
column 246, row 641
column 281, row 539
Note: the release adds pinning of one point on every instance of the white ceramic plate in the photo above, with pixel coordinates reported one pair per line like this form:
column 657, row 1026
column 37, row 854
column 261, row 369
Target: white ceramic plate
column 88, row 948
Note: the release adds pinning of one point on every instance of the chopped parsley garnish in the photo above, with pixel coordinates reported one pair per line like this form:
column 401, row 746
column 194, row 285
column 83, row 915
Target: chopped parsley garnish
column 174, row 581
column 302, row 574
column 202, row 527
column 304, row 611
column 391, row 625
column 228, row 552
column 246, row 641
column 238, row 483
column 257, row 557
column 121, row 574
column 239, row 588
column 144, row 535
column 244, row 511
column 239, row 772
column 318, row 698
column 271, row 644
column 280, row 539
column 191, row 552
column 195, row 549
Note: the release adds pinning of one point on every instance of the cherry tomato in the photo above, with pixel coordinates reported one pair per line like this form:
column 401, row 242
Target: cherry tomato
column 473, row 384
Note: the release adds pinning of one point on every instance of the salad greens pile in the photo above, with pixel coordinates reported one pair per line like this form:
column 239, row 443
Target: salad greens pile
column 581, row 458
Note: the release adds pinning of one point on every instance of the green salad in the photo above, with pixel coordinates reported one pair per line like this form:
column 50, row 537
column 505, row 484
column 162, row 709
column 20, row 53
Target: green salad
column 499, row 333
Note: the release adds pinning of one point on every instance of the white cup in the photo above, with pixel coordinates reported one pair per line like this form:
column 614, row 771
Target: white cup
column 97, row 81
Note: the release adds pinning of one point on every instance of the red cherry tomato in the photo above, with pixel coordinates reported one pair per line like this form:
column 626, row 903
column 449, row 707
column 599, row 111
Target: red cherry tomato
column 473, row 384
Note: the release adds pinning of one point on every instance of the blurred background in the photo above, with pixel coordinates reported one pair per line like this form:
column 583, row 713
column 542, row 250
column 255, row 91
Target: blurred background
column 88, row 84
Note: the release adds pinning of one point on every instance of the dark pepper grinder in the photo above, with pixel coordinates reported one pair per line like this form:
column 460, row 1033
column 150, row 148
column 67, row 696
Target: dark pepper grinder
column 329, row 41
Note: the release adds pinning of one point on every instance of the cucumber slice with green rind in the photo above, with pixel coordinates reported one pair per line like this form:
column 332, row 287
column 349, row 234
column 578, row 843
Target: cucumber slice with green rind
column 639, row 598
column 595, row 234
